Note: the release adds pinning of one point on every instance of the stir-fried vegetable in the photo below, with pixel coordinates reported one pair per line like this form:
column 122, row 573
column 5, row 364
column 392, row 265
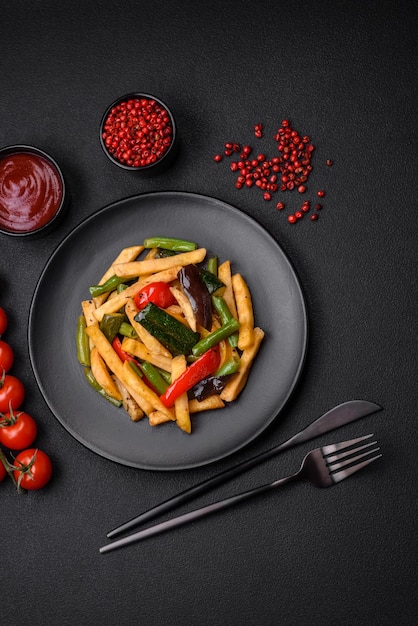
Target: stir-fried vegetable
column 166, row 337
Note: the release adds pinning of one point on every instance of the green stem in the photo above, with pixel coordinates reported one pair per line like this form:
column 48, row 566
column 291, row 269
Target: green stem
column 9, row 470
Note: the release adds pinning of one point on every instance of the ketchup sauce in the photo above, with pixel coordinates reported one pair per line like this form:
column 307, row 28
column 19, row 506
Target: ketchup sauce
column 31, row 191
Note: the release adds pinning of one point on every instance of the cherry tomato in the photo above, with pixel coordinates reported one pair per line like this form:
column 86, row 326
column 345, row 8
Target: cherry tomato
column 3, row 321
column 36, row 469
column 12, row 393
column 6, row 356
column 158, row 293
column 17, row 430
column 3, row 472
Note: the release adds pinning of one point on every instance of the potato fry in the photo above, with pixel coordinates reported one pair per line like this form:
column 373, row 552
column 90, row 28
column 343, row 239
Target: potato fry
column 126, row 255
column 185, row 305
column 181, row 405
column 127, row 377
column 147, row 339
column 152, row 266
column 128, row 402
column 88, row 308
column 245, row 312
column 224, row 274
column 138, row 349
column 102, row 375
column 208, row 404
column 113, row 305
column 238, row 382
column 105, row 349
column 156, row 417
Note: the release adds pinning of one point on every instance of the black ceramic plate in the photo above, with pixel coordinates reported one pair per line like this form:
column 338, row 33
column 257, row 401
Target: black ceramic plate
column 80, row 261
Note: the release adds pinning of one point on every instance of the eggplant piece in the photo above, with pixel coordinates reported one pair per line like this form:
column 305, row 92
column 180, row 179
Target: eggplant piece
column 198, row 294
column 210, row 386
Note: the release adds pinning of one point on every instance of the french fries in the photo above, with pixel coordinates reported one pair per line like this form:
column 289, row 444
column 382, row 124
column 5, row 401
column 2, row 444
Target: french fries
column 114, row 304
column 102, row 374
column 244, row 311
column 152, row 266
column 124, row 381
column 125, row 255
column 181, row 405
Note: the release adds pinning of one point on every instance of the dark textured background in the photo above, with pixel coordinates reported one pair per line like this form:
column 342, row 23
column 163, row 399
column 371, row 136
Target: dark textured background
column 344, row 73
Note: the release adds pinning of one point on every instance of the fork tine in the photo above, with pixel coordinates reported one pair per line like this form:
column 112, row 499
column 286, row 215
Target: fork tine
column 348, row 471
column 344, row 444
column 351, row 460
column 341, row 455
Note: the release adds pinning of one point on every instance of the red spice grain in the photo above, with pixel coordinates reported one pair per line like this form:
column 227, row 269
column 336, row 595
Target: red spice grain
column 314, row 217
column 137, row 132
column 287, row 171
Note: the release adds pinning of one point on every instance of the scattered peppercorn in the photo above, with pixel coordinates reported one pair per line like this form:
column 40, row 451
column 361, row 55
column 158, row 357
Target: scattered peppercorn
column 287, row 171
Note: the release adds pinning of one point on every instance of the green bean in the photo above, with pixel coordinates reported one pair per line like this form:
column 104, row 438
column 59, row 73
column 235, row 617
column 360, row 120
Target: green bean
column 83, row 346
column 127, row 330
column 166, row 375
column 154, row 377
column 95, row 385
column 213, row 265
column 169, row 243
column 135, row 368
column 225, row 316
column 215, row 337
column 109, row 285
column 229, row 367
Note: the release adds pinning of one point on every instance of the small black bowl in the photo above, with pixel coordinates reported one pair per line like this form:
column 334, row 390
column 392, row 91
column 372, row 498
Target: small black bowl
column 33, row 196
column 153, row 104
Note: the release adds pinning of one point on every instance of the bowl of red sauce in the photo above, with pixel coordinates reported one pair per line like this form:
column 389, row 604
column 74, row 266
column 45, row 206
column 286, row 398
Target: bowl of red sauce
column 32, row 191
column 138, row 133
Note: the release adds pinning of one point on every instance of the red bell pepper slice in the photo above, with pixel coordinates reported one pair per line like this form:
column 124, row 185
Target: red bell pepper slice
column 205, row 365
column 158, row 293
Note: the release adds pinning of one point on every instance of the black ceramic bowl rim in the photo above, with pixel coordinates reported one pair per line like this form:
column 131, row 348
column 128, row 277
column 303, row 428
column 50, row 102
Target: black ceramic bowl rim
column 22, row 149
column 167, row 153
